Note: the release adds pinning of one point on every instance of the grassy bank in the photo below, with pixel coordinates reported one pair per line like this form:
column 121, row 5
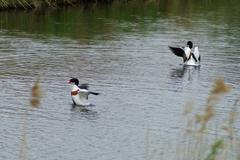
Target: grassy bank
column 35, row 4
column 31, row 4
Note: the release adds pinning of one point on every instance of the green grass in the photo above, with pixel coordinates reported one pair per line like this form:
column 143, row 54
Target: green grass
column 215, row 149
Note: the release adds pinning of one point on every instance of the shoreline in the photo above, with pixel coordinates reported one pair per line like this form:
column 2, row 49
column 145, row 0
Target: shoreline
column 44, row 4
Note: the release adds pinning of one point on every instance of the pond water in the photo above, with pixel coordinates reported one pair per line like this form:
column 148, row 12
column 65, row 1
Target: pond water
column 121, row 50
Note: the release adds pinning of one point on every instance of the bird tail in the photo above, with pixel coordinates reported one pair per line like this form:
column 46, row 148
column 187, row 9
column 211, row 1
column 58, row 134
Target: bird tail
column 94, row 93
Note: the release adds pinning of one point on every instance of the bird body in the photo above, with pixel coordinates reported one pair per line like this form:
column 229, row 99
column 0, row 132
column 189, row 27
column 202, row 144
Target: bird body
column 189, row 57
column 197, row 54
column 187, row 52
column 79, row 96
column 80, row 93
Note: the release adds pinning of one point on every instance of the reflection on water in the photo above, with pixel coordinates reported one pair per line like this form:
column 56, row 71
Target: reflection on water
column 100, row 22
column 178, row 72
column 185, row 71
column 122, row 51
column 83, row 111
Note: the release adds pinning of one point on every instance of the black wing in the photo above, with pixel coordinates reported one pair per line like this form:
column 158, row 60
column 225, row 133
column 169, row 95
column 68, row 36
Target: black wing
column 84, row 86
column 178, row 52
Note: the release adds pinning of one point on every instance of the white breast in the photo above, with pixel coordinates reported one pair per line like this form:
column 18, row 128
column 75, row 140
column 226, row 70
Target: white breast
column 81, row 96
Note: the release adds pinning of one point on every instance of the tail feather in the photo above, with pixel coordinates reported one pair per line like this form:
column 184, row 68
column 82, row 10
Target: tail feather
column 94, row 93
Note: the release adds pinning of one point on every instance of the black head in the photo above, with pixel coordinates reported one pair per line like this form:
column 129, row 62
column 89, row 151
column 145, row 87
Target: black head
column 74, row 80
column 190, row 44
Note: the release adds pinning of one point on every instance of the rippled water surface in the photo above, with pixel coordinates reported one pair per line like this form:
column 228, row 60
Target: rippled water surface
column 122, row 51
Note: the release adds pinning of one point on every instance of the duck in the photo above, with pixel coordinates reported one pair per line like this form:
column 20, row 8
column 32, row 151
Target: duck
column 80, row 93
column 191, row 57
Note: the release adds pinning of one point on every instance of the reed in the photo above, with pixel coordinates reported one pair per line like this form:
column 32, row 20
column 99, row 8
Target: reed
column 36, row 94
column 35, row 100
column 31, row 4
column 201, row 144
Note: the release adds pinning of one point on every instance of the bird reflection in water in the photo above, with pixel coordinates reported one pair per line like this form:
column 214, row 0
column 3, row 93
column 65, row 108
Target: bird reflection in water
column 184, row 70
column 84, row 111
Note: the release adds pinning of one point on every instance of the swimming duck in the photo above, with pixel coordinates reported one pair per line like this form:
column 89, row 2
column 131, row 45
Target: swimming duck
column 189, row 57
column 80, row 93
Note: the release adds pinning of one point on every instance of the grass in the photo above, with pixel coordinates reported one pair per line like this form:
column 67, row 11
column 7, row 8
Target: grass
column 200, row 142
column 215, row 149
column 35, row 101
column 36, row 94
column 31, row 4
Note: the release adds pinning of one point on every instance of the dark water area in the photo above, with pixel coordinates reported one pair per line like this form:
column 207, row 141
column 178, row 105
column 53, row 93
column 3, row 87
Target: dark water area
column 121, row 50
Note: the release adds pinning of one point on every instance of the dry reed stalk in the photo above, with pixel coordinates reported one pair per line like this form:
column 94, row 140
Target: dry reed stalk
column 197, row 124
column 219, row 88
column 23, row 145
column 36, row 94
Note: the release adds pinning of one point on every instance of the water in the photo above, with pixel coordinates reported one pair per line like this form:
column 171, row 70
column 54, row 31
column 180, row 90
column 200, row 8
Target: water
column 121, row 50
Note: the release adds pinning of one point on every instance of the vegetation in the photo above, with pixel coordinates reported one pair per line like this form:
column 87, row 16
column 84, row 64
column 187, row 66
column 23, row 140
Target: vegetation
column 44, row 3
column 35, row 100
column 36, row 94
column 6, row 4
column 205, row 138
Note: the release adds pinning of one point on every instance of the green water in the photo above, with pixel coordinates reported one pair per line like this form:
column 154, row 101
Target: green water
column 103, row 20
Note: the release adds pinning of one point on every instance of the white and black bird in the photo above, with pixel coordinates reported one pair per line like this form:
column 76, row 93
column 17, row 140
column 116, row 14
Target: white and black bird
column 80, row 93
column 190, row 57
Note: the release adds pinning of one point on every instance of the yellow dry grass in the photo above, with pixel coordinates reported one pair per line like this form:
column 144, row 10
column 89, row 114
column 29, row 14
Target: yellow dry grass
column 199, row 144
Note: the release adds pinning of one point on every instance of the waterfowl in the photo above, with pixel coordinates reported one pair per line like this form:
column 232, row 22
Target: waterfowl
column 80, row 93
column 189, row 57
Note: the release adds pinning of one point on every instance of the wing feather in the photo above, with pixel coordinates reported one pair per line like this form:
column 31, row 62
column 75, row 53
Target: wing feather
column 178, row 52
column 196, row 53
column 84, row 86
column 83, row 94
